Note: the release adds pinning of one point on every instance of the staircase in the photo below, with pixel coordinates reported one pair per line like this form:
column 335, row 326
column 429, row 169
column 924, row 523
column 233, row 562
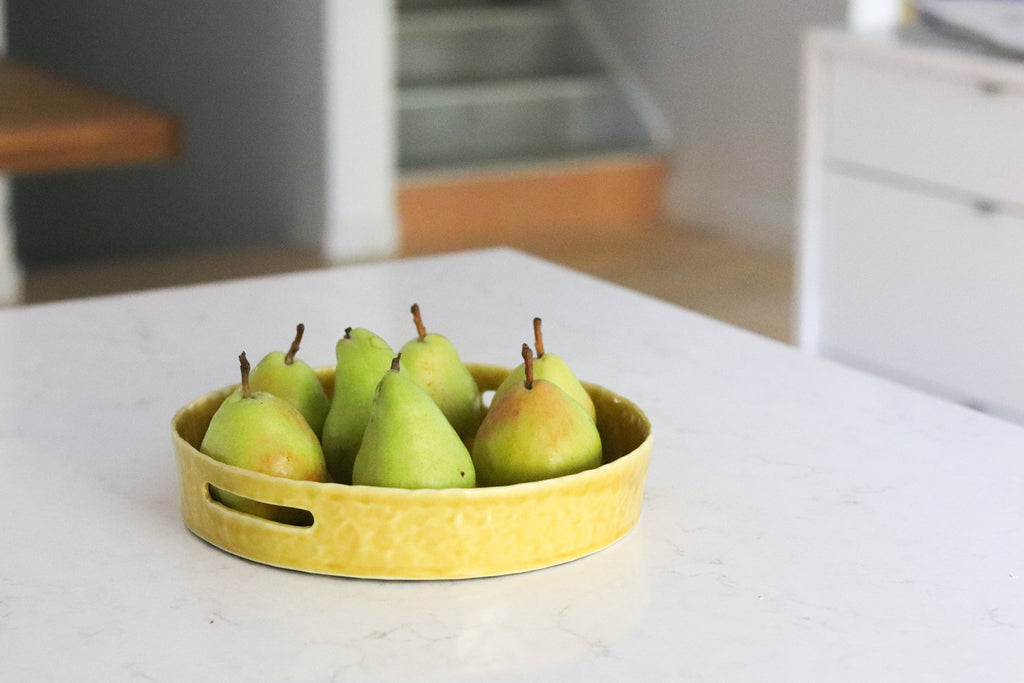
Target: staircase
column 510, row 127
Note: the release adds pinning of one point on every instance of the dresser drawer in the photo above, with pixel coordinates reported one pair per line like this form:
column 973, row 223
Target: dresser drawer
column 949, row 131
column 925, row 290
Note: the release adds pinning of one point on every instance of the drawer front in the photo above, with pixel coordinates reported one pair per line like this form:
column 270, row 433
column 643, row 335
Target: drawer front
column 960, row 134
column 925, row 290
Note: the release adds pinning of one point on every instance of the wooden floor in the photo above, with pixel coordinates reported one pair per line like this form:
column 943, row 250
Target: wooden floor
column 730, row 282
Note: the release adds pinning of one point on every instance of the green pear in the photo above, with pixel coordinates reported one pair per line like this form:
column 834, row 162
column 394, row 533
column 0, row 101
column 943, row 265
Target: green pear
column 363, row 358
column 291, row 379
column 548, row 366
column 259, row 431
column 408, row 441
column 534, row 431
column 433, row 363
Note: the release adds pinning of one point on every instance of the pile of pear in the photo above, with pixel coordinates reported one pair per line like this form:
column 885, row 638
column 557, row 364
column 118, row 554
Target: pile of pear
column 409, row 419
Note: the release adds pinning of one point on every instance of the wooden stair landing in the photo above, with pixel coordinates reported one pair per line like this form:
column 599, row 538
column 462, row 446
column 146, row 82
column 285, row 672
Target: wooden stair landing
column 513, row 206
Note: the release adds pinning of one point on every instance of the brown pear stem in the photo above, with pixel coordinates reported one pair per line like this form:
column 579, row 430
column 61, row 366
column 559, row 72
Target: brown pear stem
column 289, row 357
column 420, row 329
column 528, row 365
column 348, row 333
column 395, row 362
column 243, row 363
column 538, row 338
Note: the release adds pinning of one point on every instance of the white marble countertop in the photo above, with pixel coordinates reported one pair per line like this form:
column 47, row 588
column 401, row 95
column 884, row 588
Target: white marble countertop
column 801, row 521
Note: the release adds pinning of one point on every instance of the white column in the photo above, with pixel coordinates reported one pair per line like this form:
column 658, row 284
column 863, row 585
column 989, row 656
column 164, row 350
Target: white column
column 360, row 157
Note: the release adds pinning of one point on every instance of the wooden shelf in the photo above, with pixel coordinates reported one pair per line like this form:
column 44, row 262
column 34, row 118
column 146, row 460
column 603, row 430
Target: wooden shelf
column 48, row 123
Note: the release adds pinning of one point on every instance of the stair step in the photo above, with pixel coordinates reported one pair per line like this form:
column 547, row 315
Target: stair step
column 470, row 124
column 479, row 16
column 559, row 202
column 489, row 41
column 404, row 5
column 502, row 92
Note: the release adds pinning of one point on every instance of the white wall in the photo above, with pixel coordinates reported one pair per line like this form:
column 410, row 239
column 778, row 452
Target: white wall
column 726, row 76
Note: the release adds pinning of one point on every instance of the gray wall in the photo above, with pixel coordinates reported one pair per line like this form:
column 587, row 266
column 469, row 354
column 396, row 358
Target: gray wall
column 245, row 78
column 726, row 77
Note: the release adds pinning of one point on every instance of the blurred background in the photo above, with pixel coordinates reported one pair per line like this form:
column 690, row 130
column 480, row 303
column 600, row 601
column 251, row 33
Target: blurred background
column 653, row 142
column 844, row 175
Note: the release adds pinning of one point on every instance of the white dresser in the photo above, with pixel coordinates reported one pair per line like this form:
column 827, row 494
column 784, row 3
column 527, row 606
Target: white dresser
column 911, row 243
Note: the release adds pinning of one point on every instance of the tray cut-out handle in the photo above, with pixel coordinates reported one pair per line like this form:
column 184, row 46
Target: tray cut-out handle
column 243, row 505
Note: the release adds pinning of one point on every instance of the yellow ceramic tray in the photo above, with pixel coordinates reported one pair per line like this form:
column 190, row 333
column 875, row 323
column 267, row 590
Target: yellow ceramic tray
column 384, row 533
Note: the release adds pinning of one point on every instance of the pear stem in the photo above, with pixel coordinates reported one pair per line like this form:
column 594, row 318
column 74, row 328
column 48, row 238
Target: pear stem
column 289, row 357
column 395, row 362
column 243, row 363
column 538, row 338
column 528, row 365
column 420, row 329
column 348, row 333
